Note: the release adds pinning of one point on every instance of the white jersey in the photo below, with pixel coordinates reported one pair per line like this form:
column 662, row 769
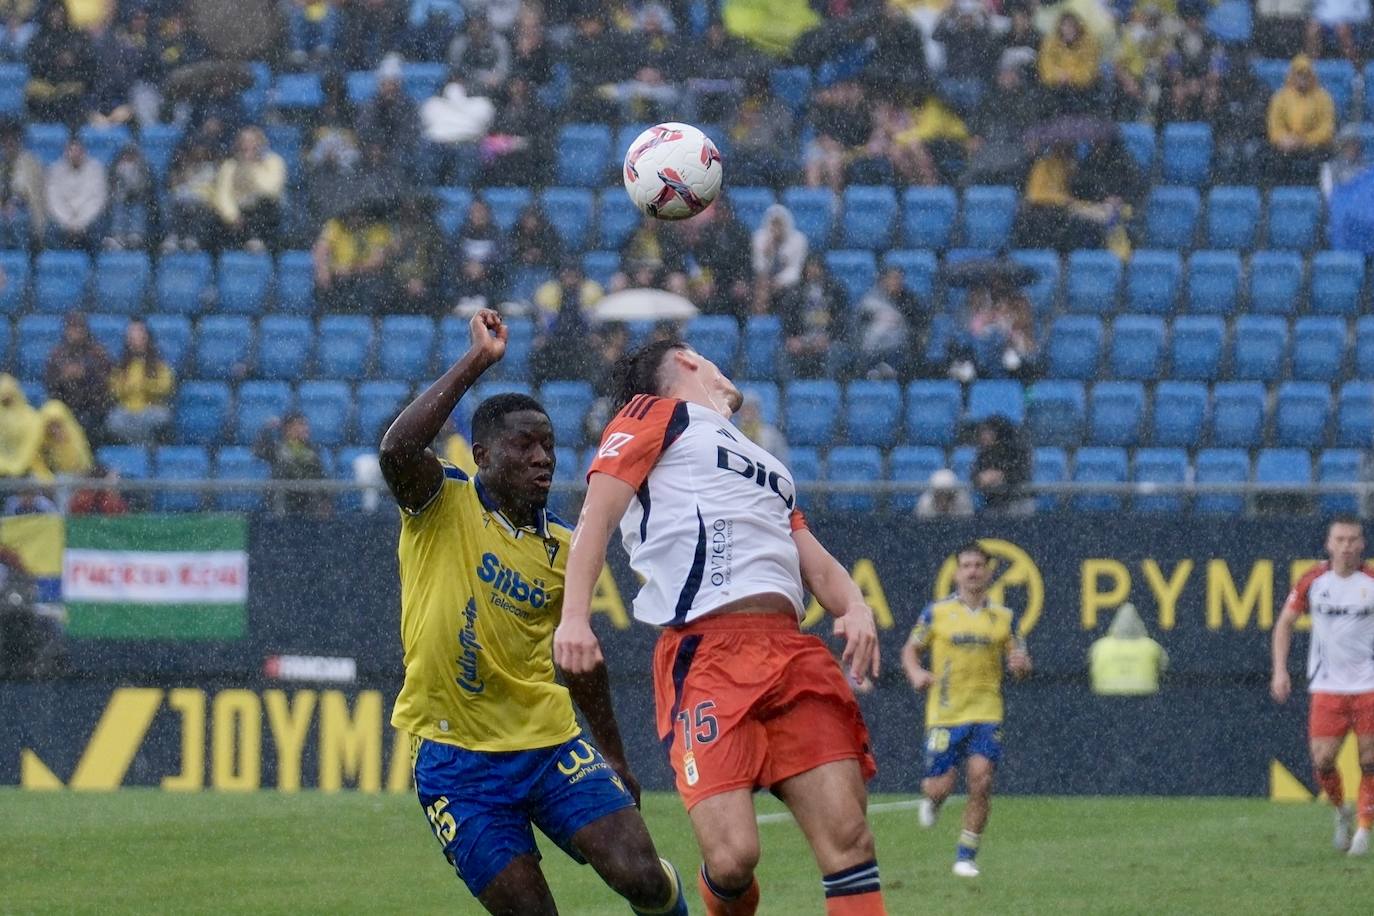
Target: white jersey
column 713, row 516
column 1340, row 658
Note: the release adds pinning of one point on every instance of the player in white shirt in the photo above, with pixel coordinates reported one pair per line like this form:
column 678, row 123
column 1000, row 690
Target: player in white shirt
column 1339, row 597
column 745, row 700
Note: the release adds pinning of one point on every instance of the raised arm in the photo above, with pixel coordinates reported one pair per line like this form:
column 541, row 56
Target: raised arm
column 835, row 590
column 575, row 647
column 412, row 472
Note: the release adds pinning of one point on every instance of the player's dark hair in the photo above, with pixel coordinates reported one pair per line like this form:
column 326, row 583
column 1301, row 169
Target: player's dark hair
column 638, row 372
column 1344, row 518
column 490, row 416
column 973, row 547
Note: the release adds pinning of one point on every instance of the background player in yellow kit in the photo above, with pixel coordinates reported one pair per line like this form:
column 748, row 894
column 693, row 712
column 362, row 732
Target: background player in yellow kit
column 967, row 639
column 497, row 749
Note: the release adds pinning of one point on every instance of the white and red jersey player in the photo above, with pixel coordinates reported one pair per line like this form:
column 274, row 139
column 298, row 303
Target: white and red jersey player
column 1340, row 654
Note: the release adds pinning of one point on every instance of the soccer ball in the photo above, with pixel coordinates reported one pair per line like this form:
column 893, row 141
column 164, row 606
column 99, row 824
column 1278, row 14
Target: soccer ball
column 672, row 171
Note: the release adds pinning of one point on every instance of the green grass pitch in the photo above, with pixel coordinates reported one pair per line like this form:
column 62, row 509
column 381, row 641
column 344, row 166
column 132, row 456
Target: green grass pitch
column 139, row 851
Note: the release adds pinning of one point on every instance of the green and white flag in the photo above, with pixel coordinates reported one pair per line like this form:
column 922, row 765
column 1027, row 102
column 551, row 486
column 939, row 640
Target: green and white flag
column 156, row 577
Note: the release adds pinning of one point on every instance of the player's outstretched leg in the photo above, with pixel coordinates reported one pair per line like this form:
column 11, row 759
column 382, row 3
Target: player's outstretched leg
column 618, row 846
column 1324, row 751
column 728, row 837
column 830, row 804
column 935, row 791
column 519, row 889
column 978, row 774
column 1360, row 842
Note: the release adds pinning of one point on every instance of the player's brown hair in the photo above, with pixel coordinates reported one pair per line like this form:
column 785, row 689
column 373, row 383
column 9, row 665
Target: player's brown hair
column 639, row 371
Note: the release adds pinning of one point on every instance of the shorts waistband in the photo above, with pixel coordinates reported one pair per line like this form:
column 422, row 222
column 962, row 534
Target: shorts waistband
column 740, row 621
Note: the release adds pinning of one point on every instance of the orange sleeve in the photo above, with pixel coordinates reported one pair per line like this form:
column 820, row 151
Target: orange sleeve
column 798, row 519
column 637, row 437
column 1298, row 597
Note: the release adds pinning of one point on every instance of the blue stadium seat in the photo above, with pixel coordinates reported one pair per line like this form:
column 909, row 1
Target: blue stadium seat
column 295, row 282
column 987, row 216
column 1074, row 347
column 792, row 86
column 805, row 464
column 378, row 404
column 854, row 464
column 600, row 266
column 812, row 409
column 996, row 398
column 1213, row 282
column 1295, row 216
column 856, row 271
column 932, row 412
column 46, row 141
column 1160, row 465
column 60, row 279
column 1272, row 71
column 584, row 155
column 1337, row 283
column 129, row 461
column 519, row 347
column 34, row 391
column 108, row 331
column 1179, row 414
column 1237, row 414
column 813, row 212
column 915, row 464
column 715, row 337
column 406, row 347
column 259, row 402
column 928, row 216
column 182, row 281
column 1171, row 217
column 5, row 343
column 1096, row 464
column 1153, row 279
column 105, row 143
column 1340, row 465
column 454, row 204
column 285, row 141
column 37, row 335
column 361, row 86
column 1355, row 415
column 14, row 77
column 568, row 404
column 1318, row 348
column 342, row 467
column 245, row 279
column 1275, row 282
column 181, row 462
column 1337, row 78
column 1231, row 22
column 1094, row 282
column 223, row 346
column 1198, row 344
column 1116, row 413
column 762, row 342
column 919, row 270
column 1049, row 465
column 1055, row 412
column 202, row 409
column 873, row 413
column 483, row 390
column 1301, row 413
column 617, row 218
column 748, row 203
column 453, row 340
column 570, row 213
column 869, row 214
column 1140, row 143
column 1187, row 154
column 173, row 335
column 237, row 462
column 768, row 397
column 1283, row 465
column 159, row 143
column 14, row 292
column 1364, row 347
column 328, row 405
column 297, row 92
column 343, row 347
column 1260, row 344
column 1218, row 466
column 1137, row 347
column 1043, row 291
column 1233, row 215
column 121, row 281
column 506, row 205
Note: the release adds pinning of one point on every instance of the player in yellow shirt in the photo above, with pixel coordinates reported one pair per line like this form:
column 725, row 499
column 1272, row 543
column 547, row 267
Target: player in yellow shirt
column 968, row 640
column 496, row 747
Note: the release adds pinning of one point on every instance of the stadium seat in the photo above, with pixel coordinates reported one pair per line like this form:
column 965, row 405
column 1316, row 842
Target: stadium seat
column 769, row 399
column 454, row 204
column 1179, row 413
column 1301, row 413
column 617, row 217
column 1095, row 464
column 183, row 279
column 748, row 203
column 715, row 337
column 996, row 398
column 173, row 335
column 1153, row 279
column 811, row 410
column 1364, row 347
column 1094, row 282
column 343, row 347
column 987, row 216
column 584, row 155
column 1049, row 465
column 1197, row 347
column 14, row 292
column 1220, row 466
column 1043, row 291
column 60, row 279
column 181, row 462
column 1140, row 143
column 129, row 461
column 524, row 281
column 928, row 216
column 37, row 335
column 1355, row 415
column 856, row 271
column 1318, row 348
column 932, row 412
column 1231, row 22
column 121, row 281
column 378, row 404
column 245, row 279
column 1116, row 413
column 1295, row 216
column 1337, row 77
column 869, row 214
column 328, row 405
column 159, row 143
column 1337, row 283
column 919, row 270
column 600, row 266
column 5, row 343
column 34, row 391
column 805, row 464
column 406, row 345
column 297, row 92
column 762, row 342
column 1275, row 282
column 507, row 204
column 1237, row 414
column 911, row 464
column 361, row 86
column 792, row 86
column 570, row 213
column 1283, row 465
column 567, row 470
column 108, row 331
column 259, row 402
column 237, row 462
column 813, row 212
column 854, row 464
column 1137, row 347
column 483, row 390
column 223, row 346
column 14, row 77
column 1186, row 154
column 202, row 409
column 873, row 413
column 105, row 143
column 1213, row 282
column 567, row 404
column 1074, row 347
column 1260, row 344
column 1233, row 215
column 519, row 348
column 1055, row 412
column 1160, row 466
column 454, row 340
column 1340, row 465
column 46, row 141
column 1171, row 217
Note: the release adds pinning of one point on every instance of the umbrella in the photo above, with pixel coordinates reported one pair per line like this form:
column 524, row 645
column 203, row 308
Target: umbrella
column 1071, row 129
column 208, row 77
column 644, row 305
column 986, row 272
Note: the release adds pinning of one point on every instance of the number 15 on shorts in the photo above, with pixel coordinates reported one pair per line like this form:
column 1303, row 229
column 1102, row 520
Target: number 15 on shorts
column 700, row 726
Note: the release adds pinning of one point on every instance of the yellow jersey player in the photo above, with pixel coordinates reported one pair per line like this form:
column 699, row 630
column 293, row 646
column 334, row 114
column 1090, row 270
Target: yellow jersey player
column 497, row 749
column 967, row 640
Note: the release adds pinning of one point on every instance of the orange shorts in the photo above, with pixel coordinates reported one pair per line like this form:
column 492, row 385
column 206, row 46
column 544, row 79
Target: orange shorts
column 1335, row 714
column 746, row 701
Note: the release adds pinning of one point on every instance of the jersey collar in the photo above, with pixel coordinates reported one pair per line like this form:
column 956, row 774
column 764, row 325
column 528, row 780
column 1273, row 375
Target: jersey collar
column 541, row 518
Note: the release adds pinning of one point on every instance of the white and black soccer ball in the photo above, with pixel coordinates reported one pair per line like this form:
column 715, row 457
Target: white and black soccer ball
column 672, row 171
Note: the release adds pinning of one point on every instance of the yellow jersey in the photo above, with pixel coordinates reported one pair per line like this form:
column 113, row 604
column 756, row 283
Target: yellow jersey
column 968, row 648
column 480, row 598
